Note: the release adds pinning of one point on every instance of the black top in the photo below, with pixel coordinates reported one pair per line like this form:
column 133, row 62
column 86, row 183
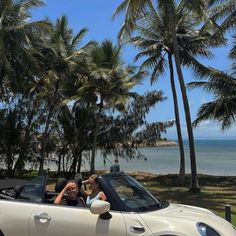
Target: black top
column 77, row 202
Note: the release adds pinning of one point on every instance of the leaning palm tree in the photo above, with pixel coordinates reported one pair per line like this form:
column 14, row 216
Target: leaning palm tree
column 106, row 84
column 136, row 10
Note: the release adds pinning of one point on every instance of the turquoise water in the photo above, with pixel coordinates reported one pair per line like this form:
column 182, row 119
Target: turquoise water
column 214, row 157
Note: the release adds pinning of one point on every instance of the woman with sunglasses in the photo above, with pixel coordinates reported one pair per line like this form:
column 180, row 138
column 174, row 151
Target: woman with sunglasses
column 96, row 192
column 72, row 189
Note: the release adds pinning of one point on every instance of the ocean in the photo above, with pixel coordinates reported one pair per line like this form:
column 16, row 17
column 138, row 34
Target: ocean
column 214, row 157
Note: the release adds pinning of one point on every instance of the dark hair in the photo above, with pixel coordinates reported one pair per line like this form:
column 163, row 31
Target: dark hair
column 96, row 180
column 72, row 181
column 78, row 182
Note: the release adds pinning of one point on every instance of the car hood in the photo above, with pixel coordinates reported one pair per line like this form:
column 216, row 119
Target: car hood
column 182, row 219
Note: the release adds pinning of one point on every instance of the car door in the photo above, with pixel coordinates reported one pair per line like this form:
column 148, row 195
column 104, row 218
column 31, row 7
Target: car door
column 58, row 220
column 14, row 217
column 135, row 225
column 15, row 213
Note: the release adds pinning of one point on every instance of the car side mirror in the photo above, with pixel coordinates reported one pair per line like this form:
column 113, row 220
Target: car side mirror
column 102, row 208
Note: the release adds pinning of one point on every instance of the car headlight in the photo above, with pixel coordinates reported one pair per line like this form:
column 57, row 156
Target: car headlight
column 206, row 230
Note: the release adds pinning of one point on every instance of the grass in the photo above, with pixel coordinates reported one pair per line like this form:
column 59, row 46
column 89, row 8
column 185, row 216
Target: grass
column 215, row 193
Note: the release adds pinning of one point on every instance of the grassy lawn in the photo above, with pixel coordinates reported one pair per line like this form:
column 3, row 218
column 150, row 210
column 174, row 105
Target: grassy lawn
column 215, row 193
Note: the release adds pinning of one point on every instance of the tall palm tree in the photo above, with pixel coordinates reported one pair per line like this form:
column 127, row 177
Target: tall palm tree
column 18, row 65
column 155, row 43
column 107, row 84
column 134, row 11
column 60, row 50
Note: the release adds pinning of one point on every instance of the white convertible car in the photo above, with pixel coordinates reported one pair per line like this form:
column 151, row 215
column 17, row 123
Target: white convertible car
column 28, row 210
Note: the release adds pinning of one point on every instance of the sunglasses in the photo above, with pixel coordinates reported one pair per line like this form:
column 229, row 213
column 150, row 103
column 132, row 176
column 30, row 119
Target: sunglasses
column 71, row 189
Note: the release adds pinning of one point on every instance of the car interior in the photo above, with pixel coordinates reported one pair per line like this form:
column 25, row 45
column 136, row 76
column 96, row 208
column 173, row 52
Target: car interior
column 33, row 191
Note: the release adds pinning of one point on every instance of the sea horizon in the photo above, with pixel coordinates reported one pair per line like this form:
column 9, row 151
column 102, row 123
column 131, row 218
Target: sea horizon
column 213, row 156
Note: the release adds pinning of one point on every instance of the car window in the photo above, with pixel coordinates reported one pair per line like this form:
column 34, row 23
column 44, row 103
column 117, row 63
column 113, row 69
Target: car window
column 34, row 191
column 133, row 195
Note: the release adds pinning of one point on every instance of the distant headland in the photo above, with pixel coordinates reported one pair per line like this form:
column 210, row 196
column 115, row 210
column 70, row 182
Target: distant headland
column 159, row 143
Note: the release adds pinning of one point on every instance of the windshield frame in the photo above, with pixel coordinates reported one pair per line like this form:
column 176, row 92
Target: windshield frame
column 38, row 188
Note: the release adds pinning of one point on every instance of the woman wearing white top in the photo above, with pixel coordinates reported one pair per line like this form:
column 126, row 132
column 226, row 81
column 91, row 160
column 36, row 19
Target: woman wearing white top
column 96, row 192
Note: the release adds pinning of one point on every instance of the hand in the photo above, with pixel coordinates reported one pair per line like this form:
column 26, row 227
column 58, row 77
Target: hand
column 69, row 186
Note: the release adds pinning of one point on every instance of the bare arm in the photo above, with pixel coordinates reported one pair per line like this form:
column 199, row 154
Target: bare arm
column 102, row 196
column 61, row 194
column 85, row 181
column 84, row 192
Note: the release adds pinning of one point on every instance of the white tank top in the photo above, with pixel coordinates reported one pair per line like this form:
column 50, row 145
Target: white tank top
column 89, row 200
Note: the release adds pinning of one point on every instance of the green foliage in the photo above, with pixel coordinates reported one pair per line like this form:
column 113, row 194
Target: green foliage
column 222, row 108
column 60, row 99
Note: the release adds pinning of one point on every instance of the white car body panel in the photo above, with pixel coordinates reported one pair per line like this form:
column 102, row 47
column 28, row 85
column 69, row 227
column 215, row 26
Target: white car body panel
column 74, row 221
column 178, row 219
column 14, row 217
column 134, row 212
column 133, row 220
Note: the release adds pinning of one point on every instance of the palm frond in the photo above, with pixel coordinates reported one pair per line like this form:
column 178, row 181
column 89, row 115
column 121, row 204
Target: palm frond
column 222, row 109
column 78, row 37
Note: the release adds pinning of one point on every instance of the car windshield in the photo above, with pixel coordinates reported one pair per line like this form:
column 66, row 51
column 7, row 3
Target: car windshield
column 34, row 191
column 133, row 195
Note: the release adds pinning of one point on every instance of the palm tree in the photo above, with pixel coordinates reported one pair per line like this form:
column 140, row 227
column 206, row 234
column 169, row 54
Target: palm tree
column 224, row 14
column 223, row 107
column 60, row 51
column 17, row 33
column 135, row 10
column 106, row 84
column 18, row 65
column 155, row 43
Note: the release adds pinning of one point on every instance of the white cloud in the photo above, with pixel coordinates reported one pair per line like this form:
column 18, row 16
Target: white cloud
column 206, row 130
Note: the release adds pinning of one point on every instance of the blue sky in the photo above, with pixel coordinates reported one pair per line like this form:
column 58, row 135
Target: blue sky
column 96, row 15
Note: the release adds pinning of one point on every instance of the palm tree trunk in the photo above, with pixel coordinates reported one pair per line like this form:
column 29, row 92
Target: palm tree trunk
column 79, row 163
column 10, row 161
column 20, row 161
column 177, row 120
column 76, row 156
column 44, row 142
column 97, row 126
column 92, row 166
column 60, row 156
column 46, row 130
column 194, row 187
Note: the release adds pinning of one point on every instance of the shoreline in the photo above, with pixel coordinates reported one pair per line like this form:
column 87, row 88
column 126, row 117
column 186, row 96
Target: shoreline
column 153, row 175
column 148, row 175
